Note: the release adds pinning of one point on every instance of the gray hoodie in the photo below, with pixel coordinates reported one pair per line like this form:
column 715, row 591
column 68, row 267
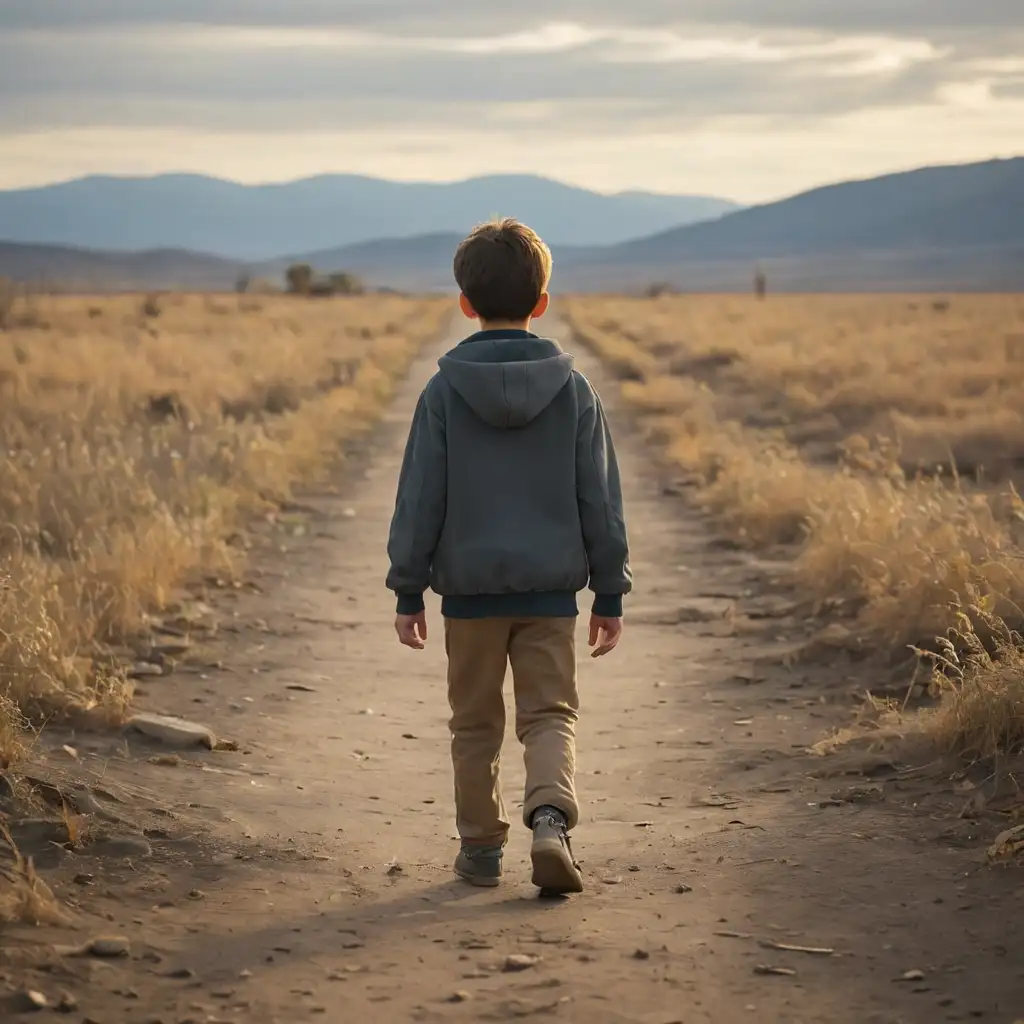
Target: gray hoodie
column 508, row 499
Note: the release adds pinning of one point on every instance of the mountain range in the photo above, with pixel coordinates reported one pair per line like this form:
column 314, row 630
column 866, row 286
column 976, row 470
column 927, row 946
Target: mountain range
column 951, row 227
column 257, row 222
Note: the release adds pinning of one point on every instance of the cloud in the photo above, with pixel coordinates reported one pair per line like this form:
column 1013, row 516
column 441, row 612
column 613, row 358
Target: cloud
column 384, row 76
column 472, row 16
column 300, row 78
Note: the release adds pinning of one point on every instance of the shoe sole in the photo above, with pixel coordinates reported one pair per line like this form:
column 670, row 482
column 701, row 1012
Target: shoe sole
column 480, row 883
column 553, row 869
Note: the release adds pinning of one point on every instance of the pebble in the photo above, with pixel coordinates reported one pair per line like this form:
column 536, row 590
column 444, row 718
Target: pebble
column 32, row 1000
column 143, row 669
column 68, row 1003
column 109, row 947
column 173, row 731
column 520, row 962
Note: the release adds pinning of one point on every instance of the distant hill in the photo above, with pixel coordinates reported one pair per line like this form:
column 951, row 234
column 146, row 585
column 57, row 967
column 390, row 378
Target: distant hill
column 255, row 222
column 950, row 207
column 958, row 227
column 90, row 270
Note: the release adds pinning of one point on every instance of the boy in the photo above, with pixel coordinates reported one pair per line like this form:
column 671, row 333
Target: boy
column 508, row 505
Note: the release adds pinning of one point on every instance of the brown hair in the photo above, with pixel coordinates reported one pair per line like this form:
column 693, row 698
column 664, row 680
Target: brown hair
column 503, row 268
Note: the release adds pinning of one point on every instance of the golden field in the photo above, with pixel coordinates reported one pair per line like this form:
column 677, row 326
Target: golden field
column 138, row 436
column 876, row 437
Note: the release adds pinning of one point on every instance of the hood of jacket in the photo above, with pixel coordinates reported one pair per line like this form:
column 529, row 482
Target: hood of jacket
column 507, row 379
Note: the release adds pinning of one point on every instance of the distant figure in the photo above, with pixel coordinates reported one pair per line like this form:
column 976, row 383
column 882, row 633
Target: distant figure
column 760, row 283
column 509, row 504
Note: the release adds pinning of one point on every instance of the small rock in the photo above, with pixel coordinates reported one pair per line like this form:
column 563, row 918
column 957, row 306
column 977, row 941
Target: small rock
column 173, row 731
column 349, row 513
column 682, row 887
column 911, row 976
column 109, row 947
column 197, row 894
column 31, row 1001
column 520, row 962
column 462, row 996
column 641, row 954
column 68, row 1003
column 182, row 974
column 142, row 669
column 166, row 761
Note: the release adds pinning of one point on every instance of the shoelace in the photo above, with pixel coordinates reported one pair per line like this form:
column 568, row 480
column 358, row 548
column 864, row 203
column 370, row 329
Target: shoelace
column 483, row 853
column 563, row 830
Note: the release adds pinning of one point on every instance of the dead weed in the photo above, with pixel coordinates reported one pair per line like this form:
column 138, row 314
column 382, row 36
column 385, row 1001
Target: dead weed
column 133, row 448
column 875, row 437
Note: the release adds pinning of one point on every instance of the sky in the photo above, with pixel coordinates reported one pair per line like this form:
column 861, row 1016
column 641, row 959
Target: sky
column 747, row 99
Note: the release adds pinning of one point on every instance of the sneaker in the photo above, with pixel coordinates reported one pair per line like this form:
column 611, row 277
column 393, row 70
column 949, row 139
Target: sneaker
column 555, row 870
column 479, row 865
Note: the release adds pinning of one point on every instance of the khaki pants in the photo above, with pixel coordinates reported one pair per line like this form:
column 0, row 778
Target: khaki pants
column 542, row 653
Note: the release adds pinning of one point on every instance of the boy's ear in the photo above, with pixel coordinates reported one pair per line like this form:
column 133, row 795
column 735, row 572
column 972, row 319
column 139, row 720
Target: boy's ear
column 467, row 309
column 542, row 306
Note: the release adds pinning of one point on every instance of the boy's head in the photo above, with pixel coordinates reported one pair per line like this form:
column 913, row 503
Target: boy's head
column 503, row 270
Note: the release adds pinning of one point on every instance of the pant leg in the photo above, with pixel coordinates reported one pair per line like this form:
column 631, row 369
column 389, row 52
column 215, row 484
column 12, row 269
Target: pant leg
column 543, row 656
column 477, row 659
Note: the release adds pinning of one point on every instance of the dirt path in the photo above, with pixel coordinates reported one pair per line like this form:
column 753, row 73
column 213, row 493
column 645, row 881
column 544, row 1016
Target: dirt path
column 319, row 885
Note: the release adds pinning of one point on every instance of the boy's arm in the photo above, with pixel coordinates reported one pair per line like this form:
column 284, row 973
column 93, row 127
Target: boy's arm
column 599, row 494
column 419, row 508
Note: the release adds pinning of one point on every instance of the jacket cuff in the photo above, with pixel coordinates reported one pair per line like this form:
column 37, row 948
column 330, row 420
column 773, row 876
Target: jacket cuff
column 410, row 604
column 608, row 606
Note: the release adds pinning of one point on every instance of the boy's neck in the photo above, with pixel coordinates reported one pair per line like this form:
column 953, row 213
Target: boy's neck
column 505, row 325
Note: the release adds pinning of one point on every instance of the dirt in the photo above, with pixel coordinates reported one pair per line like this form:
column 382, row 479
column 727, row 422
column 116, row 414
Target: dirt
column 306, row 875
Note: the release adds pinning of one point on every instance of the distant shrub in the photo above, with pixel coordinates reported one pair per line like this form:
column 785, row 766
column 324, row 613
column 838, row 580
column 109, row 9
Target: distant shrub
column 243, row 283
column 299, row 277
column 151, row 308
column 345, row 284
column 8, row 295
column 760, row 283
column 657, row 289
column 303, row 280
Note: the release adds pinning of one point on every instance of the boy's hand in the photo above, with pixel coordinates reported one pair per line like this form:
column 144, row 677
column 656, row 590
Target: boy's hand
column 412, row 630
column 605, row 634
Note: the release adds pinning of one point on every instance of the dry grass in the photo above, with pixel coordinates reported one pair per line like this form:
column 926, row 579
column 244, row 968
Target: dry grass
column 138, row 435
column 24, row 897
column 883, row 436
